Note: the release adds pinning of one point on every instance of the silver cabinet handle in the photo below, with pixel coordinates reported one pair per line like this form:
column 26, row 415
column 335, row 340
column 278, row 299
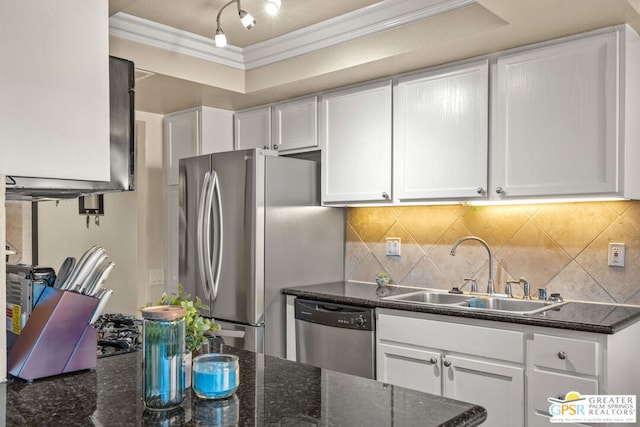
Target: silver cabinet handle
column 433, row 360
column 480, row 190
column 446, row 363
column 562, row 355
column 385, row 195
column 499, row 190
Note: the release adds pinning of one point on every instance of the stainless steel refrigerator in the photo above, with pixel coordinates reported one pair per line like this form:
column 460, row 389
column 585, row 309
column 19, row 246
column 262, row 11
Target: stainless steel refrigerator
column 250, row 224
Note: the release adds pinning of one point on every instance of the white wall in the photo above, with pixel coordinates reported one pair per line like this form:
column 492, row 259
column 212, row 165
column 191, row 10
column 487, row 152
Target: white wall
column 131, row 229
column 150, row 190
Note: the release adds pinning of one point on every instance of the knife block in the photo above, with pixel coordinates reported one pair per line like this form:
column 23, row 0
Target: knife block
column 57, row 338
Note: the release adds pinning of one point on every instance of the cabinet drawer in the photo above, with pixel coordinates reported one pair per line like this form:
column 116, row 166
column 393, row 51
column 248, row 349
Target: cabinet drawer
column 575, row 356
column 453, row 337
column 544, row 385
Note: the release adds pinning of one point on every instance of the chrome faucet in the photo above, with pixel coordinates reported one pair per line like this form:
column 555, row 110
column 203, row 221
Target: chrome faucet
column 490, row 289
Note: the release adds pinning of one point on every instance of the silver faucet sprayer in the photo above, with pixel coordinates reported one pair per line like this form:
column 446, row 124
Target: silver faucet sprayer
column 490, row 289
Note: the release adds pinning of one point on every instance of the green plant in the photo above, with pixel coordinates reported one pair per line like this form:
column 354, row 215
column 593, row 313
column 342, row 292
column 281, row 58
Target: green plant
column 382, row 276
column 195, row 325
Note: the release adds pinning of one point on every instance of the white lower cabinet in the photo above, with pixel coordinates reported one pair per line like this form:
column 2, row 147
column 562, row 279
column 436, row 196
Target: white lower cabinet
column 494, row 385
column 414, row 368
column 510, row 369
column 559, row 365
column 474, row 364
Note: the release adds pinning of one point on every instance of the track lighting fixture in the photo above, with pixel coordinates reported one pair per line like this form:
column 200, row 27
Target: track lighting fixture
column 272, row 7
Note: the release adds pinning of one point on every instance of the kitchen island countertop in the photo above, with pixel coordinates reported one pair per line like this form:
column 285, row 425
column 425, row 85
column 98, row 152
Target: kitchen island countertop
column 272, row 391
column 578, row 316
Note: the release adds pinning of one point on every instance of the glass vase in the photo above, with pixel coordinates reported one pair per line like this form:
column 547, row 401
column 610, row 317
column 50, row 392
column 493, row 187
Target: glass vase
column 163, row 348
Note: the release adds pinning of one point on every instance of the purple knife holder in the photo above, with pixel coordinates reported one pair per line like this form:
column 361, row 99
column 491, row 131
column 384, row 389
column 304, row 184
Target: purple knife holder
column 57, row 338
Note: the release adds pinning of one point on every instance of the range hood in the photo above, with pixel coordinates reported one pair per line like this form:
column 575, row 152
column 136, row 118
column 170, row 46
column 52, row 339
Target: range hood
column 122, row 117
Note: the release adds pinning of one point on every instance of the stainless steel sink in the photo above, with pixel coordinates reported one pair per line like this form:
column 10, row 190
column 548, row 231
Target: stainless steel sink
column 427, row 297
column 520, row 306
column 475, row 302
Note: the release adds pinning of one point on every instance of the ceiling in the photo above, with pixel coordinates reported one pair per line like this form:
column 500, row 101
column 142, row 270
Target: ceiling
column 315, row 45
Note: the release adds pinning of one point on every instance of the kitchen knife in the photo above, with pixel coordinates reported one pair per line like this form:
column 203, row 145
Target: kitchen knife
column 91, row 271
column 63, row 273
column 94, row 275
column 83, row 259
column 104, row 298
column 83, row 270
column 100, row 279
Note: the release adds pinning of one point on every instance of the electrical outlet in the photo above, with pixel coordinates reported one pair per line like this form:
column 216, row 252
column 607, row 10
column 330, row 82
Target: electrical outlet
column 392, row 246
column 616, row 254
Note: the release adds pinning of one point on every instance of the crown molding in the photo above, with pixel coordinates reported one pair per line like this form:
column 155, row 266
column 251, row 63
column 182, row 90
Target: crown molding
column 164, row 37
column 382, row 16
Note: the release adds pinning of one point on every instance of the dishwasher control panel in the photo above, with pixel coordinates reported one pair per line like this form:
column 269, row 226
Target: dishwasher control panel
column 337, row 315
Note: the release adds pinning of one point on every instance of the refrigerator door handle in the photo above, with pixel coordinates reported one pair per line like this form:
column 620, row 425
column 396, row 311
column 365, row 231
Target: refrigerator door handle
column 216, row 281
column 207, row 235
column 201, row 233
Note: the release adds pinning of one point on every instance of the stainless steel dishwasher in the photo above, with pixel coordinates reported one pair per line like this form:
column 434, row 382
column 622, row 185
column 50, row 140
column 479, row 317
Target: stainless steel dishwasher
column 335, row 336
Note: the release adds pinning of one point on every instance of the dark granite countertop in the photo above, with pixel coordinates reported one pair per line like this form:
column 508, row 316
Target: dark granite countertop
column 272, row 392
column 577, row 316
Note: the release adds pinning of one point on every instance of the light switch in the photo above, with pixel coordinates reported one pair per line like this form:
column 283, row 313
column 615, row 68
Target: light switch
column 392, row 246
column 156, row 276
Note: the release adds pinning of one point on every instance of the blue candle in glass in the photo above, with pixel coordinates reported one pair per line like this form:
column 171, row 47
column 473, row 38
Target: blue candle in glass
column 215, row 376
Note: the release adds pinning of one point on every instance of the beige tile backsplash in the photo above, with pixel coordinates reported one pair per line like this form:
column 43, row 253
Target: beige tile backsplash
column 562, row 247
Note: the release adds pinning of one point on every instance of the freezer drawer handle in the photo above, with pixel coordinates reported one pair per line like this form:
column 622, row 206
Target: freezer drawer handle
column 229, row 333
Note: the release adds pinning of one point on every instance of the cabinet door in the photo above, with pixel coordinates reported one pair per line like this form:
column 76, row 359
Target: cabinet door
column 296, row 125
column 417, row 369
column 216, row 130
column 182, row 136
column 555, row 123
column 441, row 134
column 497, row 387
column 252, row 128
column 54, row 89
column 356, row 144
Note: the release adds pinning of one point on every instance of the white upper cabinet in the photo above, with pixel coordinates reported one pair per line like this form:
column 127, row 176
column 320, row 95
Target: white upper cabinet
column 288, row 127
column 54, row 86
column 296, row 125
column 355, row 135
column 556, row 119
column 252, row 128
column 181, row 140
column 441, row 134
column 200, row 130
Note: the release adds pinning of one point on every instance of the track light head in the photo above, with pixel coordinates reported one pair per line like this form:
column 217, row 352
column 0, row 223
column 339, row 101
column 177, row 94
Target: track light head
column 247, row 20
column 221, row 39
column 273, row 6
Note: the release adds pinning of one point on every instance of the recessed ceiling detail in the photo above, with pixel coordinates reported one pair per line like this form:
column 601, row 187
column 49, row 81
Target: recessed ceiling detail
column 372, row 19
